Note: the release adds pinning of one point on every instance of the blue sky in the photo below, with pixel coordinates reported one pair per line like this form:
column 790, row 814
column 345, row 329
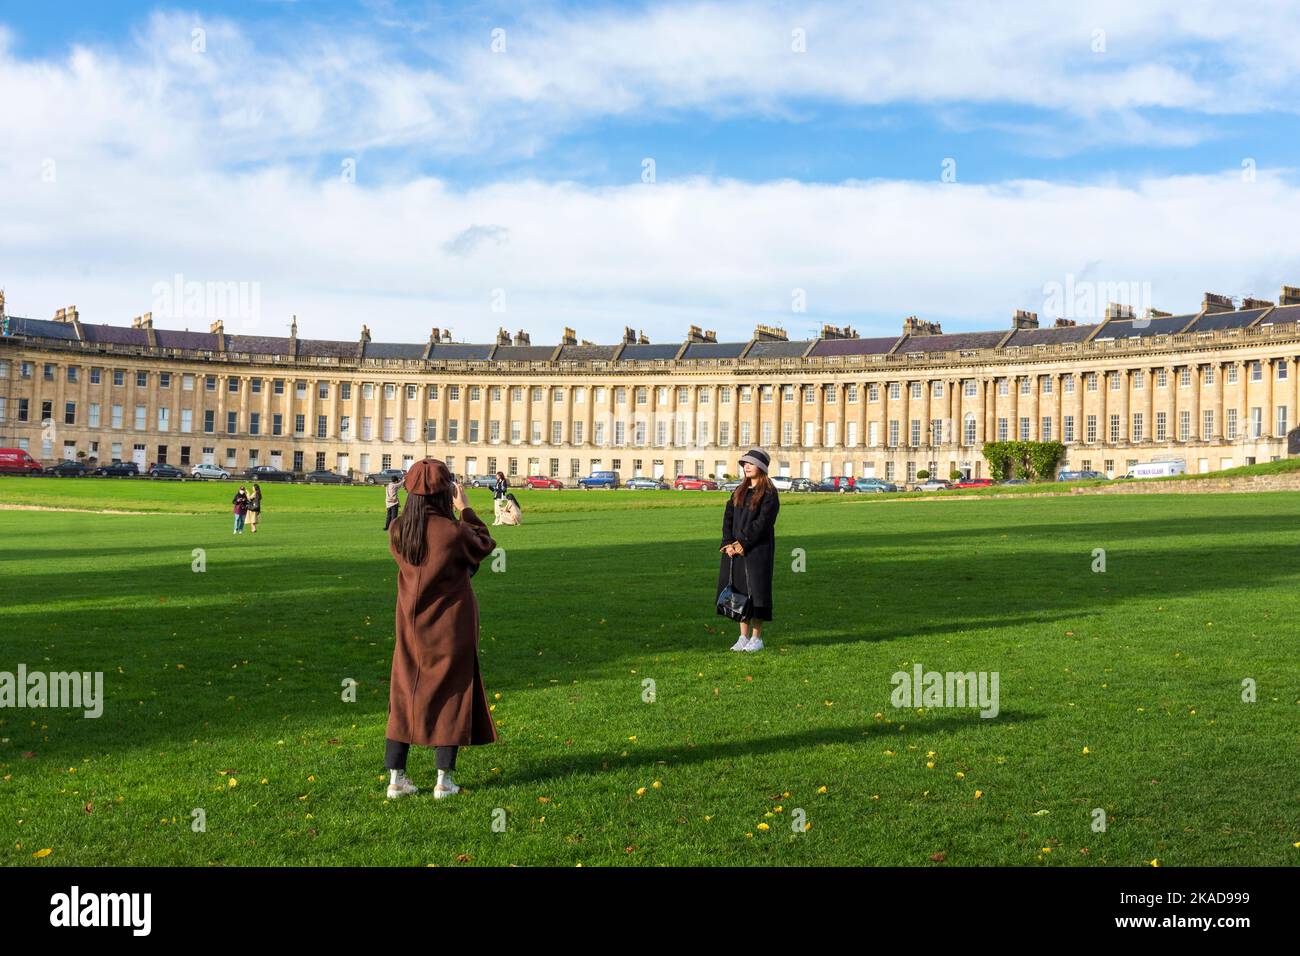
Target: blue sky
column 1149, row 145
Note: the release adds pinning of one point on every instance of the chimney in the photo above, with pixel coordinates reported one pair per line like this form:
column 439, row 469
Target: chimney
column 1157, row 314
column 60, row 316
column 1066, row 323
column 143, row 321
column 1216, row 303
column 2, row 303
column 217, row 328
column 71, row 314
column 769, row 333
column 365, row 334
column 915, row 327
column 834, row 332
column 710, row 335
column 1024, row 320
column 521, row 338
column 695, row 335
column 1290, row 295
column 1250, row 302
column 1118, row 310
column 643, row 339
column 446, row 335
column 629, row 337
column 503, row 337
column 569, row 337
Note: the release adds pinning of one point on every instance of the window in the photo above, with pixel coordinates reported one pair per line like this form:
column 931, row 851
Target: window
column 873, row 393
column 300, row 389
column 411, row 392
column 1002, row 429
column 1207, row 422
column 1185, row 376
column 209, row 420
column 916, row 390
column 187, row 385
column 453, row 428
column 475, row 393
column 1256, row 372
column 1045, row 426
column 1162, row 427
column 1281, row 422
column 1162, row 378
column 970, row 388
column 277, row 424
column 895, row 391
column 787, row 432
column 1067, row 428
column 277, row 386
column 254, row 423
column 1139, row 379
column 368, row 391
column 916, row 432
column 95, row 374
column 1090, row 382
column 322, row 426
column 1046, row 385
column 164, row 419
column 1067, row 385
column 1024, row 385
column 1184, row 425
column 1003, row 387
column 765, row 395
column 209, row 382
column 474, row 426
column 345, row 391
column 430, row 430
column 409, row 432
column 140, row 417
column 968, row 429
column 893, row 433
column 1114, row 381
column 119, row 376
column 1090, row 433
column 387, row 430
column 1114, row 429
column 232, row 422
column 141, row 379
column 1209, row 375
column 232, row 385
column 1231, row 419
column 300, row 424
column 72, row 374
column 187, row 420
column 94, row 415
column 1232, row 373
column 1137, row 426
column 297, row 461
column 1024, row 426
column 70, row 413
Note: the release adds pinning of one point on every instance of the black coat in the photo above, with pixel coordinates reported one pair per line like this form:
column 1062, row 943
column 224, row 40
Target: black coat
column 755, row 530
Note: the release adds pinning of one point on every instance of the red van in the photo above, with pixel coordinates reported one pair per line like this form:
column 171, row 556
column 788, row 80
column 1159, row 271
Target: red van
column 16, row 461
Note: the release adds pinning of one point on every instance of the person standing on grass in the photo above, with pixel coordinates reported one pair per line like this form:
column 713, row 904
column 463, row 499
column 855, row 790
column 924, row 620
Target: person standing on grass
column 749, row 545
column 240, row 501
column 499, row 489
column 254, row 507
column 435, row 695
column 390, row 499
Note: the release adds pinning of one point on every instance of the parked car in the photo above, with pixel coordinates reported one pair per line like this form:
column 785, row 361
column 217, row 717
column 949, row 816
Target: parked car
column 68, row 469
column 166, row 471
column 16, row 461
column 643, row 483
column 483, row 481
column 541, row 481
column 800, row 484
column 933, row 484
column 1014, row 481
column 261, row 473
column 599, row 479
column 203, row 470
column 692, row 483
column 837, row 483
column 326, row 478
column 779, row 482
column 1079, row 475
column 385, row 476
column 734, row 483
column 973, row 483
column 118, row 469
column 873, row 486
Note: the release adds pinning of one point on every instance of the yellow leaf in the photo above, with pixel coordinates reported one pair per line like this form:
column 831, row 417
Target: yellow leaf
column 763, row 826
column 42, row 854
column 640, row 791
column 232, row 782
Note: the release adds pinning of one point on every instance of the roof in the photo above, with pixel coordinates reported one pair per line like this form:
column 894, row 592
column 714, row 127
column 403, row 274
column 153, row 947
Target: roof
column 1129, row 328
column 1226, row 320
column 461, row 352
column 1052, row 335
column 778, row 349
column 258, row 344
column 714, row 350
column 395, row 350
column 952, row 341
column 635, row 352
column 585, row 353
column 115, row 335
column 41, row 328
column 522, row 353
column 200, row 341
column 854, row 346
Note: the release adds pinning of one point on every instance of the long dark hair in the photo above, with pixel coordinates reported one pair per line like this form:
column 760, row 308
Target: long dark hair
column 762, row 485
column 407, row 532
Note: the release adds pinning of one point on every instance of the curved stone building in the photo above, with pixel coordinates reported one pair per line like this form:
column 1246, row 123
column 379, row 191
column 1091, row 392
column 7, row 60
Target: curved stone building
column 1217, row 387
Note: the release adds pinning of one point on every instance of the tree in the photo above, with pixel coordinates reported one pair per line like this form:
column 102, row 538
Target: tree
column 1032, row 460
column 923, row 474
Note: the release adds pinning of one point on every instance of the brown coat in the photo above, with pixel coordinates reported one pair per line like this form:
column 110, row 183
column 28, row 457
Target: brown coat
column 436, row 696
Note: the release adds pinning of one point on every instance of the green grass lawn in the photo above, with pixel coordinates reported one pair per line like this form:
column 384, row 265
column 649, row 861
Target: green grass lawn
column 224, row 688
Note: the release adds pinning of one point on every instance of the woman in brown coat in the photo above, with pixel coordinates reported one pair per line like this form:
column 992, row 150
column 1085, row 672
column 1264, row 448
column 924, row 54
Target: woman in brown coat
column 436, row 695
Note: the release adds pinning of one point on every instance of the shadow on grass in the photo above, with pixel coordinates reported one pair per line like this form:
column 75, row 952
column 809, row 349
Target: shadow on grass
column 684, row 755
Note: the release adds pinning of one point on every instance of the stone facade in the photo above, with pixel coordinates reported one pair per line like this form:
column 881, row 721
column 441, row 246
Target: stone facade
column 1217, row 388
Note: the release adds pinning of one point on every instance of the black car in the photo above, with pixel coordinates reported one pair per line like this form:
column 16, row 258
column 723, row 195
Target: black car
column 267, row 473
column 385, row 476
column 118, row 469
column 165, row 471
column 68, row 469
column 326, row 478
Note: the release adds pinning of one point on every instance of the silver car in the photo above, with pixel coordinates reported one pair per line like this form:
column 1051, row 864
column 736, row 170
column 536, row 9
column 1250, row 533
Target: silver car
column 208, row 471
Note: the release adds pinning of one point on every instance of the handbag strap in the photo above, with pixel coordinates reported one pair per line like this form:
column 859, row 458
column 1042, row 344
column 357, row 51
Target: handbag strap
column 731, row 571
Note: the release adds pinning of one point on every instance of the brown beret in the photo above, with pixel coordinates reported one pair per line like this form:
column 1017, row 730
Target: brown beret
column 428, row 476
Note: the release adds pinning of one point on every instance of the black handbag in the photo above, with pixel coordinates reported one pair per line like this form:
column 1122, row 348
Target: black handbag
column 732, row 603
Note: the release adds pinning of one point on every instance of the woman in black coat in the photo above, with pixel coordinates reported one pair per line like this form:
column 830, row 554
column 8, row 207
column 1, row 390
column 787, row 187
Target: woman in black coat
column 749, row 546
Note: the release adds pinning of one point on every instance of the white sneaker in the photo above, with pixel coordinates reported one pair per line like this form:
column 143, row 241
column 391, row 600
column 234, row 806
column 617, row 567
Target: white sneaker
column 755, row 644
column 445, row 790
column 740, row 644
column 403, row 788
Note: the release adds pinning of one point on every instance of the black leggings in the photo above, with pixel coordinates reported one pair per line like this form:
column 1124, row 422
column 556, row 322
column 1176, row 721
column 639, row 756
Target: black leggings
column 395, row 752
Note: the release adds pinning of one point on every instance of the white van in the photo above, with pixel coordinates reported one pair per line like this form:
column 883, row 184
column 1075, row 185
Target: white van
column 1158, row 469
